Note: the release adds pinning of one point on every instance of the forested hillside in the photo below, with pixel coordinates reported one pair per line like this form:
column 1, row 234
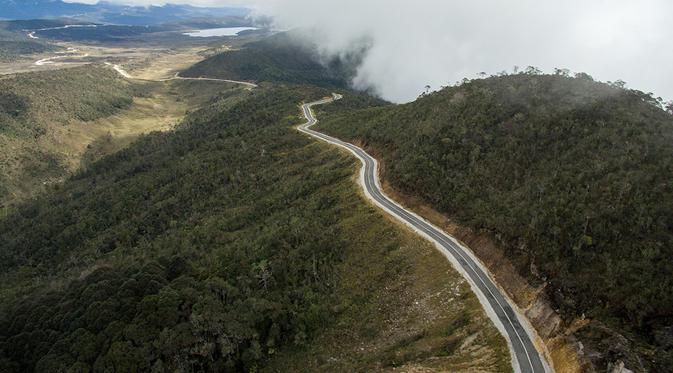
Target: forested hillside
column 228, row 245
column 572, row 177
column 14, row 43
column 34, row 105
column 12, row 49
column 279, row 58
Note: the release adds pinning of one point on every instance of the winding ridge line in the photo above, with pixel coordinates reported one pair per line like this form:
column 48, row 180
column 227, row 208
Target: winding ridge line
column 525, row 356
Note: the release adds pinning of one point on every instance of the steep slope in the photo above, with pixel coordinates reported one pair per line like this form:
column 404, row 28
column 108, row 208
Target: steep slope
column 279, row 58
column 231, row 244
column 571, row 177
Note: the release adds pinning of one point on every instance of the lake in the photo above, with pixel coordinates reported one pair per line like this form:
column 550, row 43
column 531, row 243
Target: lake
column 225, row 31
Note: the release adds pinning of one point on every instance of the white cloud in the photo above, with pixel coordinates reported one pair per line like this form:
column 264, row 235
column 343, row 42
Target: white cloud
column 438, row 42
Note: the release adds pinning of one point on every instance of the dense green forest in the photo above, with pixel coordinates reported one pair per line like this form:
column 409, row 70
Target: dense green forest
column 279, row 58
column 32, row 105
column 220, row 245
column 12, row 49
column 571, row 176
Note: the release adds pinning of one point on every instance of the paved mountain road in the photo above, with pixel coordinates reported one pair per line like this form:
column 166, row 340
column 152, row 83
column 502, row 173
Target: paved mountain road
column 525, row 356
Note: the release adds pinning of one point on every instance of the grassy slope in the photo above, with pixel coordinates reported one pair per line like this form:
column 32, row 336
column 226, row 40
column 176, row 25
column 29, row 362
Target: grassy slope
column 34, row 105
column 213, row 247
column 279, row 58
column 571, row 176
column 55, row 122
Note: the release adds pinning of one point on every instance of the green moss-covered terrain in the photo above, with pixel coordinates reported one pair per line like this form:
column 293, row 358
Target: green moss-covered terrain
column 572, row 177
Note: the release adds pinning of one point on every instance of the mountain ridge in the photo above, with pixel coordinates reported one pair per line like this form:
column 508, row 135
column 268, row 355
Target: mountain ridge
column 567, row 174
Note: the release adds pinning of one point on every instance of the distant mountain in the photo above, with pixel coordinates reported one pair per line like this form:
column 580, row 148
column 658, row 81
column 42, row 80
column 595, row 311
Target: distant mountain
column 17, row 9
column 111, row 13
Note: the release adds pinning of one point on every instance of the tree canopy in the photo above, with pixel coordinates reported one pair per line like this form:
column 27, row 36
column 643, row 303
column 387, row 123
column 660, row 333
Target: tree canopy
column 572, row 177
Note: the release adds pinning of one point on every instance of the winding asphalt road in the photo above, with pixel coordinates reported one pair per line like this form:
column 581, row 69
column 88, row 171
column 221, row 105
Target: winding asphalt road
column 525, row 357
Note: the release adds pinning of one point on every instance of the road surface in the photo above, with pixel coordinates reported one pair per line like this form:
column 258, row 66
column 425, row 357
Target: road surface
column 70, row 53
column 525, row 356
column 125, row 74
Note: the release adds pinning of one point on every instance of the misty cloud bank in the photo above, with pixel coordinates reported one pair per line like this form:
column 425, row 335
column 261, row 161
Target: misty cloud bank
column 438, row 42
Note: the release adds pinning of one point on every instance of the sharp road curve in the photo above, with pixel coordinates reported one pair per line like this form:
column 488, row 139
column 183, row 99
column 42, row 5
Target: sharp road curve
column 525, row 356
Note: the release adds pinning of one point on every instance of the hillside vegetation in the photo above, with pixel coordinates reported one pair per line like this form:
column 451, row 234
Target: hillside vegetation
column 229, row 244
column 84, row 93
column 279, row 58
column 571, row 176
column 14, row 43
column 33, row 105
column 10, row 50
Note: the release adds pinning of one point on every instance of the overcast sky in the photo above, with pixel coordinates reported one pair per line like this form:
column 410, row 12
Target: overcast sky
column 438, row 42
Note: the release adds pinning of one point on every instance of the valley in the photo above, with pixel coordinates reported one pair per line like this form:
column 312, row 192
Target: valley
column 153, row 101
column 67, row 142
